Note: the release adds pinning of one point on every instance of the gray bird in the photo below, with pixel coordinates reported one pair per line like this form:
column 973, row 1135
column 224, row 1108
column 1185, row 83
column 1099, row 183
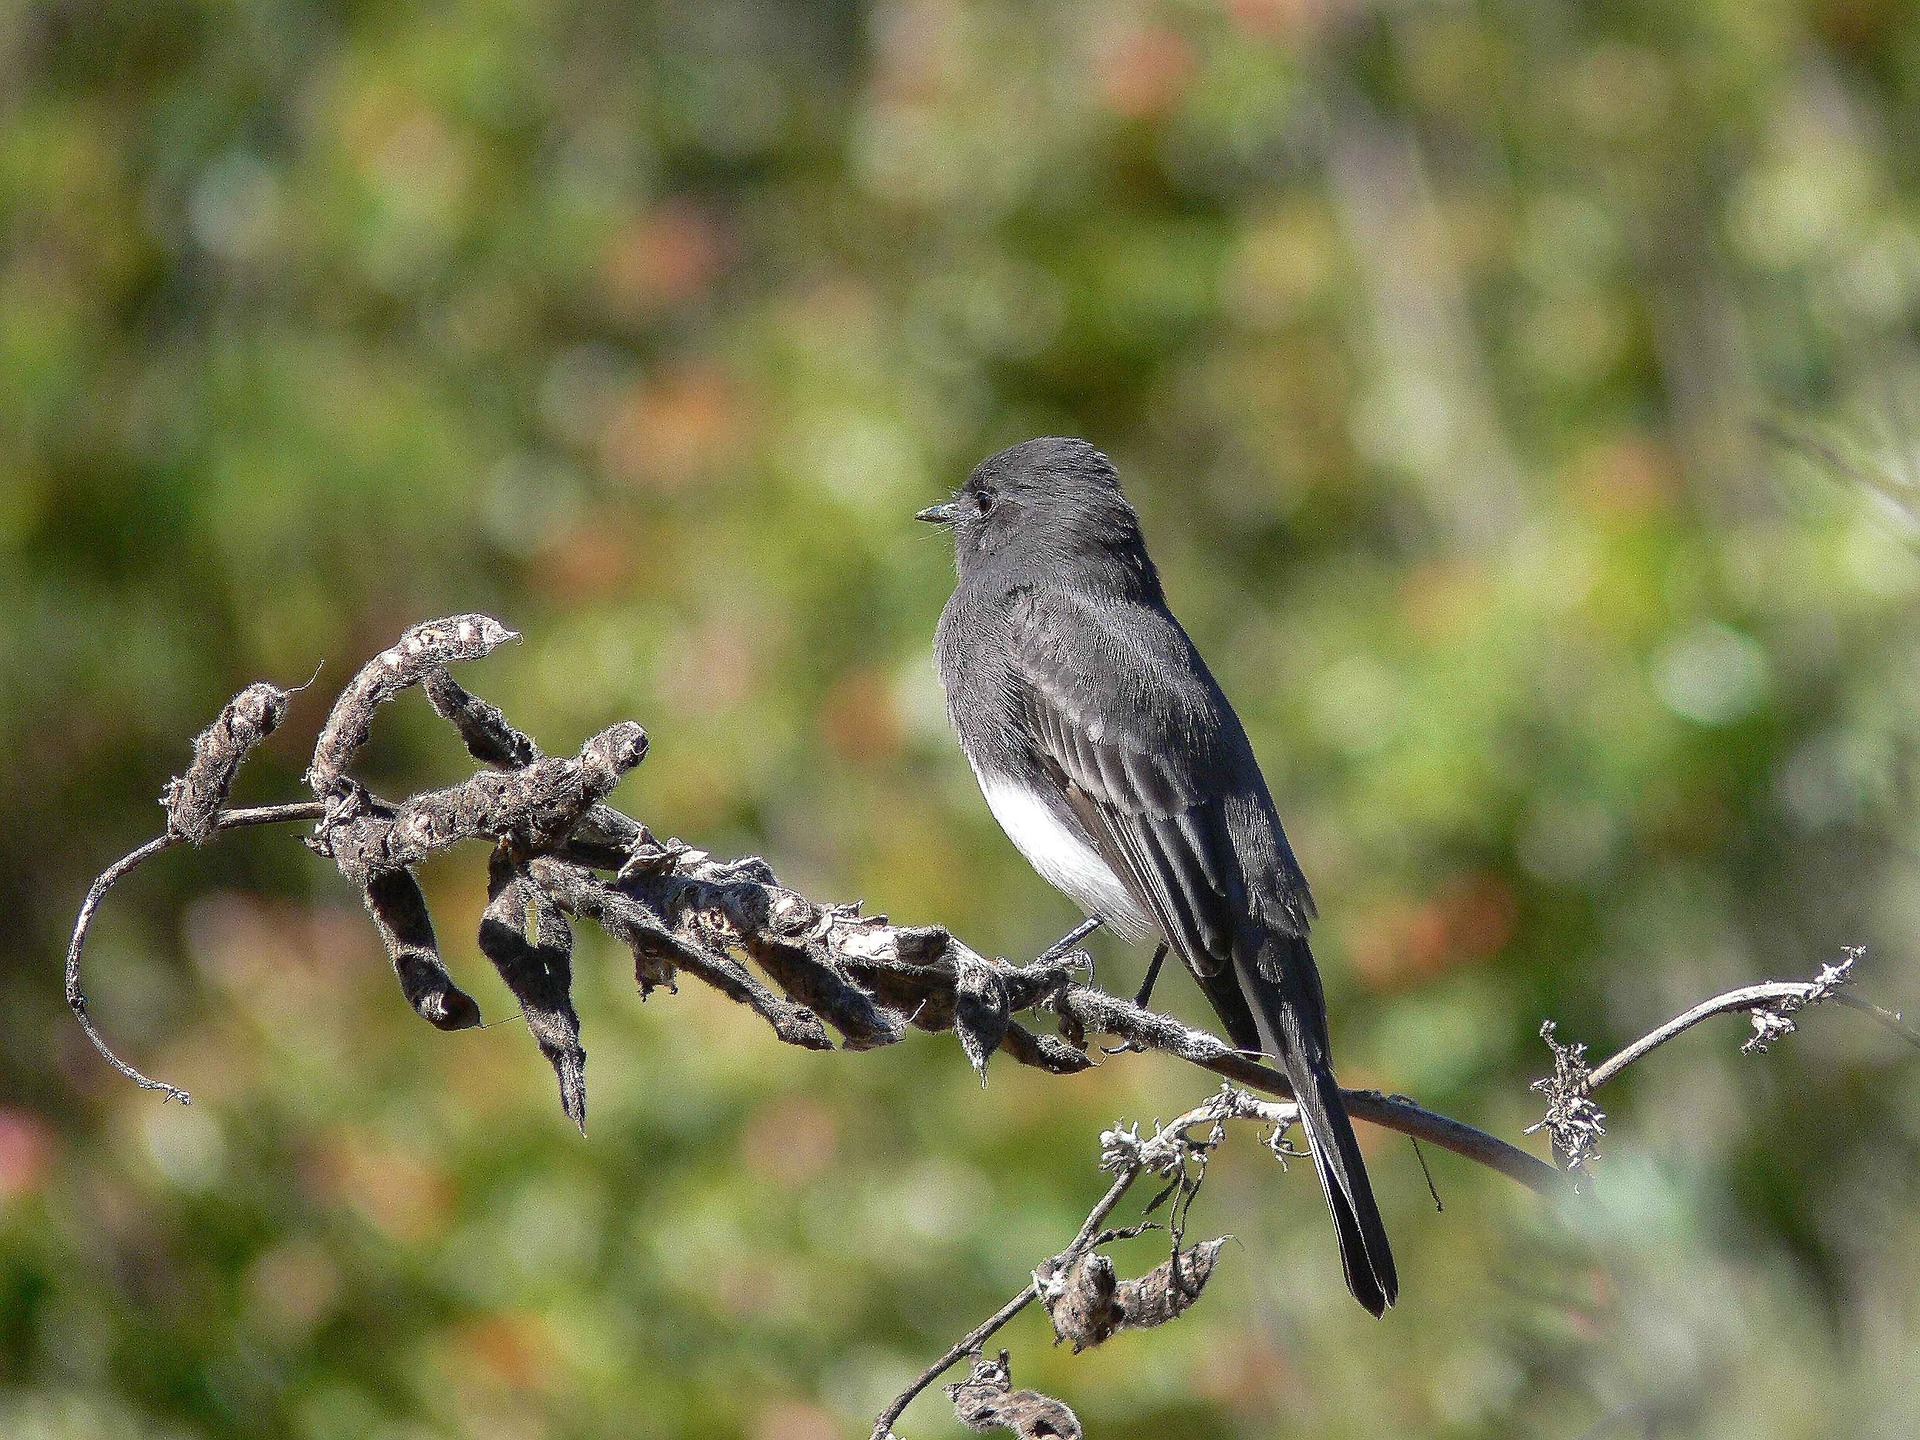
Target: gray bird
column 1109, row 755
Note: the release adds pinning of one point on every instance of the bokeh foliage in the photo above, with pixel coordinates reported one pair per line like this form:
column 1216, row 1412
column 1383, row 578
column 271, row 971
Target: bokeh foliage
column 1436, row 342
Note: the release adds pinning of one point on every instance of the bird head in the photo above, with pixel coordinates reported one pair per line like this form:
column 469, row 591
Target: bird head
column 1047, row 502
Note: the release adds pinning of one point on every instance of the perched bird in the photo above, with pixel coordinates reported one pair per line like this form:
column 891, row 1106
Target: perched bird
column 1109, row 755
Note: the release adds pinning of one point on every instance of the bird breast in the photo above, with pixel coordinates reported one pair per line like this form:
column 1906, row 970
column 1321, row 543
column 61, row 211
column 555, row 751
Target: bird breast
column 1064, row 859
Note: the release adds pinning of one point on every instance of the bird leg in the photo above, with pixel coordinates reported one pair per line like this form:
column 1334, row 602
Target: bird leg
column 1146, row 994
column 1153, row 974
column 1067, row 941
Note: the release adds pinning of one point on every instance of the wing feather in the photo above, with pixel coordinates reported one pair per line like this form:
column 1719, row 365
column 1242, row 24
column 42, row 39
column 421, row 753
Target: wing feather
column 1129, row 723
column 1147, row 763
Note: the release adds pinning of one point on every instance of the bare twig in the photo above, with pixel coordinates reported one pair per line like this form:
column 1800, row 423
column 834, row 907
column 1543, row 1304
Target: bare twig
column 1169, row 1152
column 119, row 870
column 1771, row 1006
column 1575, row 1122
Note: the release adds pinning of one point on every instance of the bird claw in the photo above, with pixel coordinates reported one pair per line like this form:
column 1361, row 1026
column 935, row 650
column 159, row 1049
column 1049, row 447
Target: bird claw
column 1064, row 946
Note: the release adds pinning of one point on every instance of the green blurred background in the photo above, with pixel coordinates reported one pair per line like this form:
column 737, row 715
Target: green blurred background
column 1436, row 343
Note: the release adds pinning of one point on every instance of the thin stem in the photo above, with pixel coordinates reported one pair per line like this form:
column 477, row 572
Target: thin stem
column 1097, row 1216
column 966, row 1345
column 1746, row 998
column 119, row 870
column 1401, row 1115
column 970, row 1343
column 1892, row 1019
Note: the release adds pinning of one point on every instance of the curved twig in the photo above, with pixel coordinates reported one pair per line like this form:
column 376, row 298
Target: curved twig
column 1748, row 999
column 1575, row 1122
column 119, row 870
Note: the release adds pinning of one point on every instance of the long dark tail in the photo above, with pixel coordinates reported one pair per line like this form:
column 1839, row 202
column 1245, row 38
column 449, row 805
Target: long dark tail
column 1282, row 988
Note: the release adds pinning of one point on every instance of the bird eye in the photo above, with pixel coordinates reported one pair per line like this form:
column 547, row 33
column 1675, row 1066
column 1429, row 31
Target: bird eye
column 983, row 501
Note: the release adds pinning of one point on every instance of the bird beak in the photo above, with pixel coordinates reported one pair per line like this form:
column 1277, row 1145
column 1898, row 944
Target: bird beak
column 940, row 514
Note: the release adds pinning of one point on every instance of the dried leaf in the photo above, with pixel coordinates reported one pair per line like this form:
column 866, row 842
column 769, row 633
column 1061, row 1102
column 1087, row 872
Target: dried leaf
column 1044, row 1052
column 1087, row 1304
column 986, row 1400
column 420, row 650
column 1164, row 1292
column 1574, row 1121
column 193, row 799
column 489, row 736
column 399, row 912
column 658, row 952
column 530, row 943
column 979, row 1011
column 1082, row 1299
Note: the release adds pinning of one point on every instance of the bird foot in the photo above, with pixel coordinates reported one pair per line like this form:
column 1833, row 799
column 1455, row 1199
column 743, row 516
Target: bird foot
column 1060, row 948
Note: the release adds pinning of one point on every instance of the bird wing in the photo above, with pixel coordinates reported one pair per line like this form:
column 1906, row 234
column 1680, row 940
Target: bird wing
column 1126, row 718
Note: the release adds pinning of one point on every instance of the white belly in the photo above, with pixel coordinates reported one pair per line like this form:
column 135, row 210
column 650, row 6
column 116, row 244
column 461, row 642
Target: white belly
column 1064, row 860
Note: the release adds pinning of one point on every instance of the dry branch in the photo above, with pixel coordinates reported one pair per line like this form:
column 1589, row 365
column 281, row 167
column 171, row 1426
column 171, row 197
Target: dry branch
column 1574, row 1122
column 560, row 852
column 1078, row 1287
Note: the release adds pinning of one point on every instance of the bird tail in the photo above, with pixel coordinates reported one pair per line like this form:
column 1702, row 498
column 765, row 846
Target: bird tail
column 1283, row 992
